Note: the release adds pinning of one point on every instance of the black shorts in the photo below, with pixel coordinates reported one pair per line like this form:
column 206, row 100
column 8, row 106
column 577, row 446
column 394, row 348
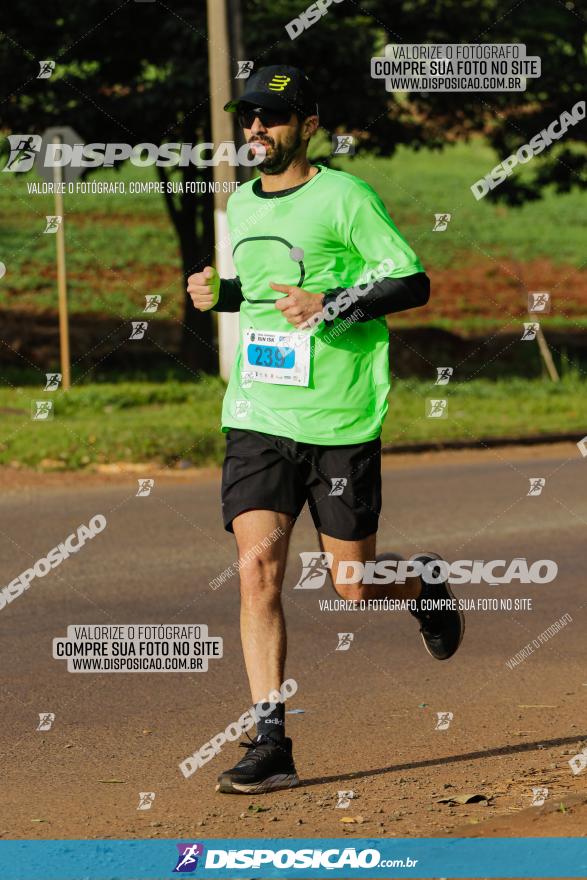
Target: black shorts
column 342, row 484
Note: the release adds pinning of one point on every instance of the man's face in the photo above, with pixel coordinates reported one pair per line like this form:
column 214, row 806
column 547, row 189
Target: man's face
column 278, row 133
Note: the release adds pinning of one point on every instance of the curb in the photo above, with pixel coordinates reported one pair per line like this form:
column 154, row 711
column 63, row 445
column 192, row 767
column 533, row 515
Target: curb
column 481, row 443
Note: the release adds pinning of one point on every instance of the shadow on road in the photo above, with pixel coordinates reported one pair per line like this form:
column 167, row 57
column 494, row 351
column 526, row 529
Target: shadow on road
column 449, row 759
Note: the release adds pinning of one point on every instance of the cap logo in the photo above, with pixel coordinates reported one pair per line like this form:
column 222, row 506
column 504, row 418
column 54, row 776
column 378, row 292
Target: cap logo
column 279, row 82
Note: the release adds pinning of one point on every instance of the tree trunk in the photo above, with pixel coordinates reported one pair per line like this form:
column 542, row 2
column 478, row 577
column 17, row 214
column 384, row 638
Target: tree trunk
column 198, row 343
column 193, row 221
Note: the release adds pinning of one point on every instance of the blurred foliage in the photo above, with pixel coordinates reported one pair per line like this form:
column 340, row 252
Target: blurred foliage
column 138, row 72
column 118, row 249
column 336, row 52
column 133, row 422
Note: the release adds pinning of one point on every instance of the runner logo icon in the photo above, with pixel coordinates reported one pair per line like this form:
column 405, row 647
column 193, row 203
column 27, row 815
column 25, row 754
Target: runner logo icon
column 146, row 799
column 578, row 762
column 138, row 329
column 245, row 68
column 338, row 485
column 539, row 301
column 441, row 222
column 343, row 144
column 46, row 68
column 23, row 151
column 539, row 795
column 187, row 861
column 53, row 223
column 537, row 484
column 53, row 381
column 444, row 719
column 46, row 720
column 314, row 570
column 152, row 302
column 344, row 799
column 437, row 409
column 242, row 408
column 444, row 375
column 344, row 641
column 43, row 409
column 530, row 331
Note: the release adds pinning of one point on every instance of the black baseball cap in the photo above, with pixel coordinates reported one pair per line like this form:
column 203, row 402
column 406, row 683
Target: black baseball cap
column 278, row 87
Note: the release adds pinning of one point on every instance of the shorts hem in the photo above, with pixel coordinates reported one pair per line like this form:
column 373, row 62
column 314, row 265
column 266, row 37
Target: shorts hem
column 358, row 534
column 228, row 521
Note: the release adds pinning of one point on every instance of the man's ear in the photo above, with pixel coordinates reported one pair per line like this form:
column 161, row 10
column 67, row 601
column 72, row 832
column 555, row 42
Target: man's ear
column 310, row 126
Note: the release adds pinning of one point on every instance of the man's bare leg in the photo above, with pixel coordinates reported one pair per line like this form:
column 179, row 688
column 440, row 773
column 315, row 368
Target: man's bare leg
column 364, row 551
column 268, row 764
column 441, row 630
column 261, row 577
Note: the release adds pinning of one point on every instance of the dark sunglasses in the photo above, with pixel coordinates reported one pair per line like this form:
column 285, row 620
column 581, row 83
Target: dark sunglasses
column 269, row 118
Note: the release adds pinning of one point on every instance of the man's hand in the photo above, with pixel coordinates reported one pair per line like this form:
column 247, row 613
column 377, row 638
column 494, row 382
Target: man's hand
column 300, row 307
column 204, row 288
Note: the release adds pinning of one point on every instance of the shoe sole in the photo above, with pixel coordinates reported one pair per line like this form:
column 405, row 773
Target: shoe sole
column 461, row 618
column 384, row 557
column 272, row 783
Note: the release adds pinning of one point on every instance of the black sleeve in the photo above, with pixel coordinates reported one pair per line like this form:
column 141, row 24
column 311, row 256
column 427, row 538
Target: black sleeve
column 382, row 297
column 230, row 297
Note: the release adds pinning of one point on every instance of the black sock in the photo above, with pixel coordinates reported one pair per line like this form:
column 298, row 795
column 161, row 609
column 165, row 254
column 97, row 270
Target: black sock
column 273, row 721
column 425, row 593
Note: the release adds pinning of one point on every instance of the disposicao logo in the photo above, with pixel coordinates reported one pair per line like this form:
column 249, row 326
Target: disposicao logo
column 187, row 860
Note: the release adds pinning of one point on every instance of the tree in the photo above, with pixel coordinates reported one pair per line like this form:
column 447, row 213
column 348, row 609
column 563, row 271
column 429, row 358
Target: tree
column 131, row 73
column 336, row 52
column 137, row 72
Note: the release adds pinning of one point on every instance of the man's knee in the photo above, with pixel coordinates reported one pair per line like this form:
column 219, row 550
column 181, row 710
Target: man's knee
column 260, row 578
column 350, row 592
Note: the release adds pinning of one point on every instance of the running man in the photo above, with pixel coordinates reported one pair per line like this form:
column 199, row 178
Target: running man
column 320, row 263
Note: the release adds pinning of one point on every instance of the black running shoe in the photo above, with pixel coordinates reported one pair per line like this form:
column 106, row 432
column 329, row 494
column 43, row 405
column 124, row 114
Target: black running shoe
column 268, row 765
column 442, row 630
column 386, row 557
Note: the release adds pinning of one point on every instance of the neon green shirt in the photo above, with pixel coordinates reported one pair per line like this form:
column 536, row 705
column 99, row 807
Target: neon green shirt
column 329, row 233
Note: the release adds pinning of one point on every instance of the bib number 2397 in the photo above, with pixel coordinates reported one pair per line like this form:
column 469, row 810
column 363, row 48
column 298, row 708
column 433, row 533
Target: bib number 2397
column 278, row 358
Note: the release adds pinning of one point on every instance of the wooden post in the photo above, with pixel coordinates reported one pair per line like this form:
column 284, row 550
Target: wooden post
column 546, row 355
column 61, row 278
column 222, row 130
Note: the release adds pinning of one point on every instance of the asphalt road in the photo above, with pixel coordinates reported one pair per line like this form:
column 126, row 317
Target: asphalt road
column 369, row 714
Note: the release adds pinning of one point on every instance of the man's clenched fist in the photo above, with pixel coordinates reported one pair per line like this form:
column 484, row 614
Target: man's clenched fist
column 204, row 288
column 300, row 307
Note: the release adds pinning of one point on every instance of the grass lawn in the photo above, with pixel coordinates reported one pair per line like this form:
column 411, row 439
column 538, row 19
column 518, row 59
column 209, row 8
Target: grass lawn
column 165, row 422
column 122, row 247
column 417, row 185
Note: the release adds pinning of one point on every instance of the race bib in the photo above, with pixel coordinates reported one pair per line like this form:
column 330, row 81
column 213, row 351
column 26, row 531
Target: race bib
column 278, row 358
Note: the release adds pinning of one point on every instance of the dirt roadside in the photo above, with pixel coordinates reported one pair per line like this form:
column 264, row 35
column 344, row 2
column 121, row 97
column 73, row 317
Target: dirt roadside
column 12, row 479
column 562, row 817
column 365, row 718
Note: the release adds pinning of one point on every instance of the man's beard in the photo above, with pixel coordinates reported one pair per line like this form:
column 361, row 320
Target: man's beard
column 281, row 157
